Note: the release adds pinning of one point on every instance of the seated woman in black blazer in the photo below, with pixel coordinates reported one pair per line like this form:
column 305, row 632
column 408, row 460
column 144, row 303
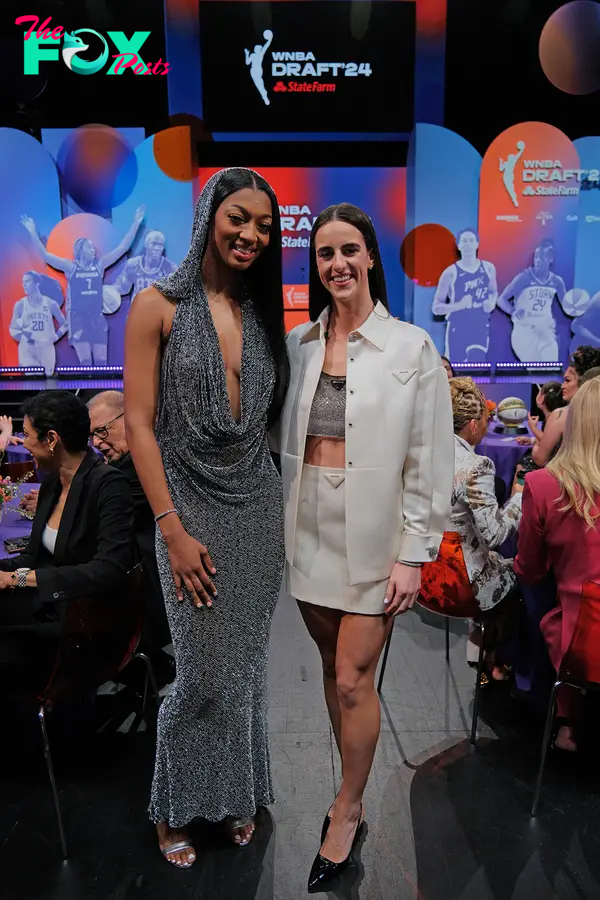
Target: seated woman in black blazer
column 81, row 543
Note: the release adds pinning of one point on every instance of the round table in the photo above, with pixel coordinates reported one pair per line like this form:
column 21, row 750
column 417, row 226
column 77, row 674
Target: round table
column 504, row 452
column 13, row 525
column 17, row 453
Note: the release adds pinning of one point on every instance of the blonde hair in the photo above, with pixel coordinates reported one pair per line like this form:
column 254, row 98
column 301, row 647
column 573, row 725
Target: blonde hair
column 577, row 463
column 467, row 402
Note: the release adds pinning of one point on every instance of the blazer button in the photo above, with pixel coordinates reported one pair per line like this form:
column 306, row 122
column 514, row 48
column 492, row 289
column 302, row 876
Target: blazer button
column 349, row 463
column 349, row 424
column 351, row 392
column 351, row 359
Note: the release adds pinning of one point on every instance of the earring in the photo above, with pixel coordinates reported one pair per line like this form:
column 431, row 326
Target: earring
column 51, row 451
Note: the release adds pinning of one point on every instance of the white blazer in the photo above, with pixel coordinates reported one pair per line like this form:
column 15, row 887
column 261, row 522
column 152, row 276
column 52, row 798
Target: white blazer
column 399, row 441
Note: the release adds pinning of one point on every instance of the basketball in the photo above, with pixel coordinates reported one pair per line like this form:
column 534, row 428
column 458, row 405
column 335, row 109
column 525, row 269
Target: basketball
column 268, row 34
column 111, row 299
column 576, row 302
column 512, row 411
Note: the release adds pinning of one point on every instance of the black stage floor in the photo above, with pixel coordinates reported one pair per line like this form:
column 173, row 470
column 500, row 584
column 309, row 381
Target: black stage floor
column 443, row 822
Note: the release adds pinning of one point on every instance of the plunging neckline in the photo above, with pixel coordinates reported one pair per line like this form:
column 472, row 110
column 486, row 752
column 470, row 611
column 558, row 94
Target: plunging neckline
column 222, row 367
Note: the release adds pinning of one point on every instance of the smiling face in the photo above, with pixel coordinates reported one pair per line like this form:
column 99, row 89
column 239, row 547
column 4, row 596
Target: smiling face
column 42, row 451
column 343, row 261
column 242, row 228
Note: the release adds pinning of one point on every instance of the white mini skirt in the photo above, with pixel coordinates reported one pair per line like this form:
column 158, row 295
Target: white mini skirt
column 320, row 572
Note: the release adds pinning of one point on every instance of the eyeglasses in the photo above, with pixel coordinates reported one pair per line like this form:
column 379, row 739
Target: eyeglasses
column 102, row 431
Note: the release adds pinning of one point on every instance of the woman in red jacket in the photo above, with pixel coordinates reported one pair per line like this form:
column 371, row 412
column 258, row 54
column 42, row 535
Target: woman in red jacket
column 559, row 531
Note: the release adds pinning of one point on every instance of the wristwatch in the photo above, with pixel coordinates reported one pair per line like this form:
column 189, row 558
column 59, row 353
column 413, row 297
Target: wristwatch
column 20, row 580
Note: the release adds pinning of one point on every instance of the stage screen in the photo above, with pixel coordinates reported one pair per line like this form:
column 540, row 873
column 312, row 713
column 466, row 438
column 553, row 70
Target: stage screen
column 325, row 66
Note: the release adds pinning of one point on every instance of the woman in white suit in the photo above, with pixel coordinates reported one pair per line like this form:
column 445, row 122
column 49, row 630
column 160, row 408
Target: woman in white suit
column 367, row 458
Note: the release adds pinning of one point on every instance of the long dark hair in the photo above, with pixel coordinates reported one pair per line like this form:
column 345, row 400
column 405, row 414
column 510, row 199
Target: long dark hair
column 264, row 280
column 318, row 296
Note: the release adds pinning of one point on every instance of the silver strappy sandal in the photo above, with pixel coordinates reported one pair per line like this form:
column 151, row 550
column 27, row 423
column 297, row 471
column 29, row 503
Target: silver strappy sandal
column 176, row 848
column 234, row 825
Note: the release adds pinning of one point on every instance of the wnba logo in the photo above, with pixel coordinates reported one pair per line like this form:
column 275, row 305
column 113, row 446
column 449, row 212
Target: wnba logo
column 507, row 169
column 544, row 217
column 38, row 46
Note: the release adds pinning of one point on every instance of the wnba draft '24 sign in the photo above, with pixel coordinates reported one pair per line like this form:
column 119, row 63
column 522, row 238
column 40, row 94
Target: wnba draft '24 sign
column 42, row 42
column 295, row 219
column 527, row 177
column 297, row 64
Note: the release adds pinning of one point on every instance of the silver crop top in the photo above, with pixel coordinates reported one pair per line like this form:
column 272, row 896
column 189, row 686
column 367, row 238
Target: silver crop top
column 328, row 411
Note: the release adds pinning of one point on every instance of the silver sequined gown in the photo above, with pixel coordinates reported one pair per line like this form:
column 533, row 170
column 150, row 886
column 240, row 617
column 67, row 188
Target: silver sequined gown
column 212, row 757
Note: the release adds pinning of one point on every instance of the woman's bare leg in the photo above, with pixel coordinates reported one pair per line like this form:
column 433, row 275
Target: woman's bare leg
column 360, row 642
column 323, row 625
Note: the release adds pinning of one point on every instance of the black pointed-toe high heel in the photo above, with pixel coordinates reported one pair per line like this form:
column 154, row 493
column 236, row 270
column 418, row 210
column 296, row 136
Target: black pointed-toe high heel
column 324, row 870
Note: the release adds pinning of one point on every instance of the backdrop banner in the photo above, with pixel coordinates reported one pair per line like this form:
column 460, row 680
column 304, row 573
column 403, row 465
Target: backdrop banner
column 515, row 278
column 93, row 215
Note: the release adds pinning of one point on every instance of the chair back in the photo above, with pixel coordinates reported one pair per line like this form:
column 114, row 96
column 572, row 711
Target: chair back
column 445, row 585
column 98, row 637
column 18, row 470
column 582, row 660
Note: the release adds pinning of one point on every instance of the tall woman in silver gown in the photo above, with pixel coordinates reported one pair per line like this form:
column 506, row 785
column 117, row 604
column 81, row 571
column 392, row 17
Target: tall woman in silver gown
column 205, row 349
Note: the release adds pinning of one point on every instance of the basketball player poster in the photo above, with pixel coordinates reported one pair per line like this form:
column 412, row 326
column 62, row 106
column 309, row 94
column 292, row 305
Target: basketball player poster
column 86, row 298
column 529, row 299
column 528, row 212
column 584, row 299
column 32, row 324
column 142, row 271
column 586, row 328
column 466, row 295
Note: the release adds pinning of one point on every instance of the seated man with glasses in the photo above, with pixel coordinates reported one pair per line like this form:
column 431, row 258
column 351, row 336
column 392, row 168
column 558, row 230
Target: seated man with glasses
column 108, row 437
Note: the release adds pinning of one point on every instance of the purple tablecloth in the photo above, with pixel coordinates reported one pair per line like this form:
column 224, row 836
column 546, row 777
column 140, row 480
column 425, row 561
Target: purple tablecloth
column 13, row 525
column 17, row 453
column 504, row 452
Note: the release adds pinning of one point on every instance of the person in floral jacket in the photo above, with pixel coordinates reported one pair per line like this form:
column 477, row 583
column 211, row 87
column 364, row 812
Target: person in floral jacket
column 483, row 526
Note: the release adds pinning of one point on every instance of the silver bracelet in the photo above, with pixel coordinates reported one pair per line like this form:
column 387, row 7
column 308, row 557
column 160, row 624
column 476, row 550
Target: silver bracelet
column 163, row 514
